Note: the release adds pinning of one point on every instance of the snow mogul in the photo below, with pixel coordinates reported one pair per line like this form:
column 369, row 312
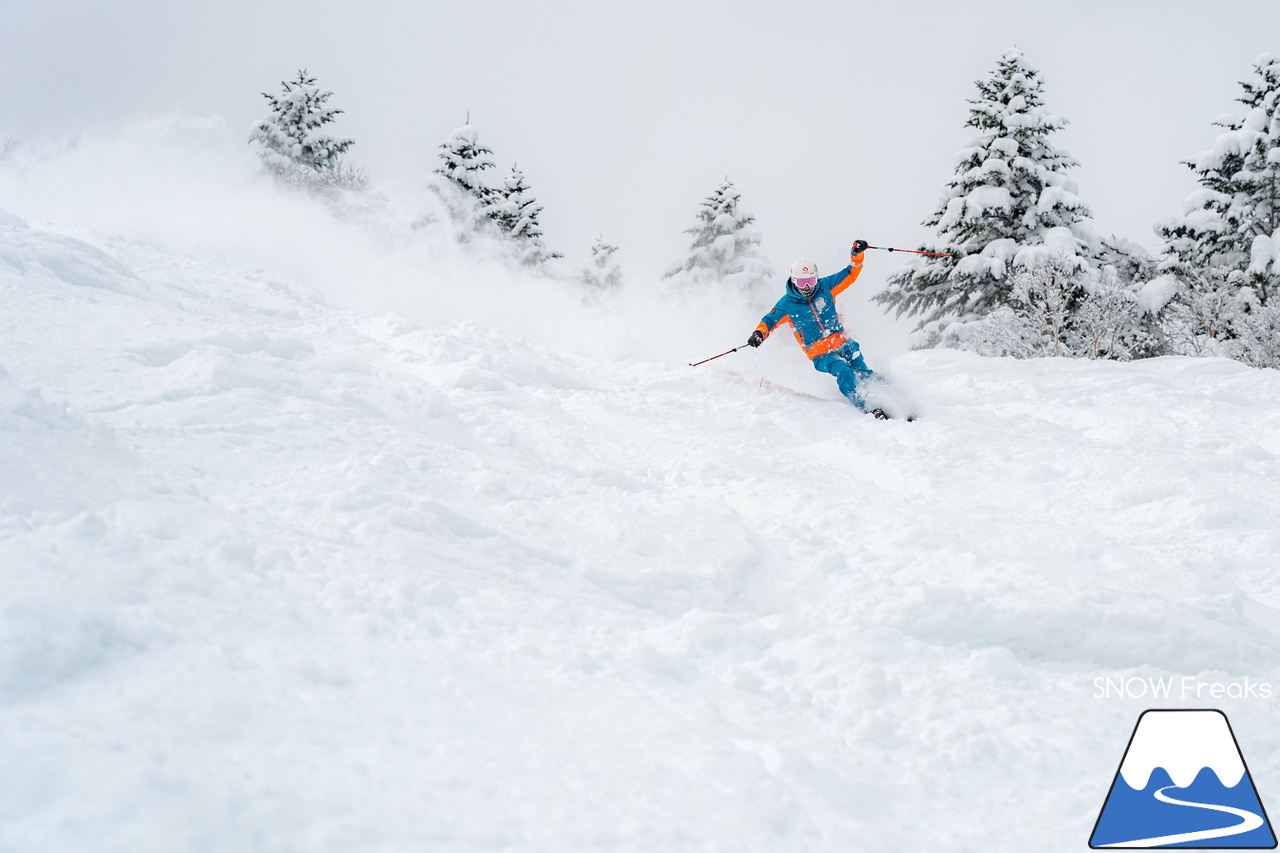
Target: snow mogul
column 809, row 305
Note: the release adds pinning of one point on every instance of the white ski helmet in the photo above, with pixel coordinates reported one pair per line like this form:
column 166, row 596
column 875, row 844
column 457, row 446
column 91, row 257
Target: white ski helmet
column 805, row 275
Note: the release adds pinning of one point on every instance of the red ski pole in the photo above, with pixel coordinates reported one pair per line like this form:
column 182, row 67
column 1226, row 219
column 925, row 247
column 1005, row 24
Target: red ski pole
column 714, row 357
column 913, row 251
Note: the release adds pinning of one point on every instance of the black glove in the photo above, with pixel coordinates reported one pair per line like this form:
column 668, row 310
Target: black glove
column 859, row 246
column 756, row 339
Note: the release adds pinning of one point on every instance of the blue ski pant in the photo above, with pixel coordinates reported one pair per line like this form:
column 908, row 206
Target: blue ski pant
column 848, row 367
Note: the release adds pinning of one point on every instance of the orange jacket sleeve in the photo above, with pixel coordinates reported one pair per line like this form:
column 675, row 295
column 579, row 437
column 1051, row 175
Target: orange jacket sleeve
column 851, row 274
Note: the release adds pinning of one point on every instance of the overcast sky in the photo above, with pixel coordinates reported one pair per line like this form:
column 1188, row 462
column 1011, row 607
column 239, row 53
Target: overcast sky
column 835, row 119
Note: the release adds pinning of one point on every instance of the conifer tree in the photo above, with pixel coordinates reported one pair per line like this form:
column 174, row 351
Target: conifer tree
column 1233, row 221
column 464, row 158
column 1008, row 203
column 725, row 245
column 516, row 213
column 602, row 274
column 293, row 148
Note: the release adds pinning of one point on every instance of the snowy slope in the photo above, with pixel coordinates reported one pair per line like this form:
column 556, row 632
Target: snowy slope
column 277, row 576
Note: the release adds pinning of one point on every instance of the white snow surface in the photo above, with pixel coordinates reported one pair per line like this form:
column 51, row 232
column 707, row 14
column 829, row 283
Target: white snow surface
column 275, row 575
column 1183, row 743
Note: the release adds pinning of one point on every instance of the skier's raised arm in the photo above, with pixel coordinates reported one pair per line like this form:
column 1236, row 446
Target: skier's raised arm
column 849, row 274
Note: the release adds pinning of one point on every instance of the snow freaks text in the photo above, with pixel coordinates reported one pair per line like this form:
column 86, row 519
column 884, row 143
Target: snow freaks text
column 1185, row 687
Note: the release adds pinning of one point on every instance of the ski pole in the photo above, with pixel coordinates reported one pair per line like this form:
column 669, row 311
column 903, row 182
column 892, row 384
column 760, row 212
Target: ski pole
column 714, row 357
column 913, row 251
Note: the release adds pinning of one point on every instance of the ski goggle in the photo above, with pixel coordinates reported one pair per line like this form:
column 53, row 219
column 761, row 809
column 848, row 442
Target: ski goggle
column 806, row 282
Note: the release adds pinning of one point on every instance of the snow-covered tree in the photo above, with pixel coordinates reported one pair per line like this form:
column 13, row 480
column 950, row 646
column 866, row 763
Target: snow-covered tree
column 603, row 274
column 725, row 246
column 1058, row 307
column 1233, row 220
column 1256, row 336
column 1131, row 287
column 1212, row 311
column 1197, row 317
column 464, row 158
column 516, row 213
column 1105, row 321
column 463, row 192
column 292, row 144
column 1036, row 319
column 1047, row 291
column 1009, row 202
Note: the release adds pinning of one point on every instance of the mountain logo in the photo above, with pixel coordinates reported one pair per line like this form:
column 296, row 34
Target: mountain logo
column 1183, row 783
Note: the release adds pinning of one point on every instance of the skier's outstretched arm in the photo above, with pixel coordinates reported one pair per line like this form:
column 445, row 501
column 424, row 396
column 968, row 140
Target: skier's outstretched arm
column 768, row 323
column 849, row 274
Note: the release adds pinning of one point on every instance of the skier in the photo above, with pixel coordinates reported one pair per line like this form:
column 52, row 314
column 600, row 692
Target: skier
column 809, row 305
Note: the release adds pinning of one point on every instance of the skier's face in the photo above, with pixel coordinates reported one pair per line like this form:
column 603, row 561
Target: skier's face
column 806, row 283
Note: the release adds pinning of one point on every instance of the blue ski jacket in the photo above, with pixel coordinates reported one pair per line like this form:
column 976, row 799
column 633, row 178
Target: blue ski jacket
column 813, row 318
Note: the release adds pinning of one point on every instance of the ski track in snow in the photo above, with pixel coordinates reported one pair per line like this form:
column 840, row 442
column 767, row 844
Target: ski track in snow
column 1248, row 822
column 280, row 577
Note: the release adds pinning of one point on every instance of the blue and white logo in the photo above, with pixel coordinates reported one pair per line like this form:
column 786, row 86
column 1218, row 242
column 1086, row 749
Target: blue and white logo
column 1183, row 783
